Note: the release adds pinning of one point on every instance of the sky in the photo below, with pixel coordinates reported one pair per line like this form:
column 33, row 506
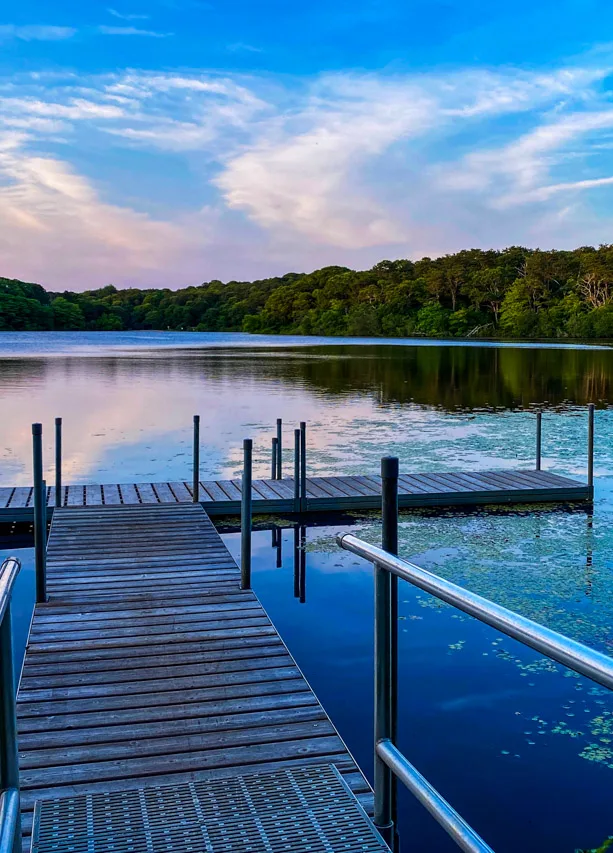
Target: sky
column 163, row 143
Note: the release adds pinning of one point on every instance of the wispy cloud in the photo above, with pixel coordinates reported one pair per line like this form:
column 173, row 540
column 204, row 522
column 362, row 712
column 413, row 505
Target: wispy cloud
column 131, row 31
column 35, row 32
column 340, row 168
column 44, row 200
column 127, row 16
column 241, row 47
column 519, row 171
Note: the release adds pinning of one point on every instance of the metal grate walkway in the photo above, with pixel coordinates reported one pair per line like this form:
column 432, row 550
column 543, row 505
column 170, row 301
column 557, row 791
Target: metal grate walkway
column 299, row 810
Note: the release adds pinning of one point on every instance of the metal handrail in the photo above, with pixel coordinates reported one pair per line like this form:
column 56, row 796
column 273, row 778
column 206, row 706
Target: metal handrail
column 557, row 647
column 390, row 763
column 10, row 820
column 8, row 572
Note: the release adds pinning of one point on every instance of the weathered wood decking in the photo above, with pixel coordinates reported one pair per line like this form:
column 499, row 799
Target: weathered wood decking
column 148, row 665
column 323, row 494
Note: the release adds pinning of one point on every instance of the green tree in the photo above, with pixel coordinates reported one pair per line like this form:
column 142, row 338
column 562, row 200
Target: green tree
column 66, row 315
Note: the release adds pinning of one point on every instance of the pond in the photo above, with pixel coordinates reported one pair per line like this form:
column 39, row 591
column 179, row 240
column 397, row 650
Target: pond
column 522, row 748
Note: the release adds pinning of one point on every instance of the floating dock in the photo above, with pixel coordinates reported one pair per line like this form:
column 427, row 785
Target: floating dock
column 323, row 494
column 149, row 670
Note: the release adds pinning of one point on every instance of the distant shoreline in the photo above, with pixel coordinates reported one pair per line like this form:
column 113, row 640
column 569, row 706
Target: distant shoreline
column 514, row 294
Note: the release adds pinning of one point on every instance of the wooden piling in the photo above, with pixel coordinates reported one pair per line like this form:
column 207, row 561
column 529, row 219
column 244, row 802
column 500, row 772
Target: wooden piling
column 539, row 433
column 58, row 462
column 196, row 461
column 389, row 543
column 303, row 483
column 279, row 449
column 246, row 512
column 273, row 459
column 40, row 513
column 296, row 470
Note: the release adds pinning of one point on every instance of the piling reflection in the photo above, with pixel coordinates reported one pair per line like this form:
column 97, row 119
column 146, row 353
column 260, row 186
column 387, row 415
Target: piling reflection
column 300, row 562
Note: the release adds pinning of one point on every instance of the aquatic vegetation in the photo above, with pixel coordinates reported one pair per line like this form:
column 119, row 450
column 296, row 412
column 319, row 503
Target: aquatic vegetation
column 606, row 845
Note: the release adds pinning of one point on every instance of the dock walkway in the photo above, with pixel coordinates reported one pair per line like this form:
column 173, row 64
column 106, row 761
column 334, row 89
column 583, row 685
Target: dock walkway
column 323, row 494
column 148, row 665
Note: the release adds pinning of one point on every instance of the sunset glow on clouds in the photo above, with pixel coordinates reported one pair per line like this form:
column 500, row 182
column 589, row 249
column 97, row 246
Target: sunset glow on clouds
column 253, row 161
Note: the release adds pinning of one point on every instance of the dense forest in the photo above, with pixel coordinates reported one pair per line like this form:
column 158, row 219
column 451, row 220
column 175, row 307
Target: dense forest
column 515, row 293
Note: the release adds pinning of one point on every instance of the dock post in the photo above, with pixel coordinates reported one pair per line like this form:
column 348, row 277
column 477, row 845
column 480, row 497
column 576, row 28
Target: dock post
column 196, row 461
column 303, row 482
column 389, row 543
column 383, row 675
column 58, row 462
column 590, row 448
column 539, row 434
column 273, row 458
column 279, row 449
column 40, row 514
column 246, row 498
column 9, row 763
column 296, row 470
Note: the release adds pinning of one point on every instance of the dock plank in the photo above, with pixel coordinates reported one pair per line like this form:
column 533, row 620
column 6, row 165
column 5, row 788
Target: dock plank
column 75, row 496
column 324, row 494
column 124, row 686
column 93, row 495
column 21, row 497
column 128, row 492
column 6, row 493
column 164, row 493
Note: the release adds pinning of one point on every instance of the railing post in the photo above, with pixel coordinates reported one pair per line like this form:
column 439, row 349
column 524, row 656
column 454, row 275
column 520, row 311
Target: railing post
column 590, row 447
column 279, row 449
column 58, row 462
column 196, row 461
column 40, row 514
column 296, row 470
column 539, row 434
column 9, row 759
column 303, row 477
column 273, row 459
column 246, row 498
column 389, row 543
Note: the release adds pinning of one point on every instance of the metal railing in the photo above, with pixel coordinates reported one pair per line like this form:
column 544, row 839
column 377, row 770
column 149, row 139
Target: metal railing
column 390, row 763
column 10, row 819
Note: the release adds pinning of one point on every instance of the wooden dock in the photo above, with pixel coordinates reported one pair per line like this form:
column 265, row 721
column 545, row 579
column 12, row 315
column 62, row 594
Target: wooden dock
column 323, row 494
column 149, row 666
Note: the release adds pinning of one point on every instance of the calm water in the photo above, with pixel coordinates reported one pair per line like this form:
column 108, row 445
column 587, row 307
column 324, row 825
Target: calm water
column 522, row 748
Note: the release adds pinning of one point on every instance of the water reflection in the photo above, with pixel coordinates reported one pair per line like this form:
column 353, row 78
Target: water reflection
column 448, row 377
column 300, row 563
column 132, row 413
column 474, row 708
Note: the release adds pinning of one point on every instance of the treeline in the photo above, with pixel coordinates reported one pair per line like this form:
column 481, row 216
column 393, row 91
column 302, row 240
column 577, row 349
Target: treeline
column 515, row 293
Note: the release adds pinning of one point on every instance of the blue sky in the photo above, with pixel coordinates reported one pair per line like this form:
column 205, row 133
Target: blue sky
column 168, row 142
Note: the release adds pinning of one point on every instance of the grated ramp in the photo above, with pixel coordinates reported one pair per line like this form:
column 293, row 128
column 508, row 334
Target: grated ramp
column 302, row 810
